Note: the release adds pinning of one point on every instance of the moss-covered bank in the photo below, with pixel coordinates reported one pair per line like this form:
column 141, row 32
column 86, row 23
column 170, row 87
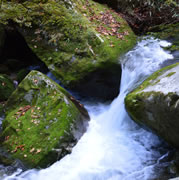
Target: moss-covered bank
column 168, row 32
column 42, row 123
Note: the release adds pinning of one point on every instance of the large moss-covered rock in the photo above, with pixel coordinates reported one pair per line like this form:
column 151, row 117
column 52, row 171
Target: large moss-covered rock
column 75, row 39
column 155, row 103
column 6, row 87
column 43, row 122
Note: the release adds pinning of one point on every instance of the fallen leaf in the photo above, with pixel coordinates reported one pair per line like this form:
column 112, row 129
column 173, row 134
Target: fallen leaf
column 38, row 151
column 32, row 150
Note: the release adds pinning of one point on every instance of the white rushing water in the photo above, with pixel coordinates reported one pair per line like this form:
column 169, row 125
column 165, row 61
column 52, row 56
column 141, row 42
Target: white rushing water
column 114, row 147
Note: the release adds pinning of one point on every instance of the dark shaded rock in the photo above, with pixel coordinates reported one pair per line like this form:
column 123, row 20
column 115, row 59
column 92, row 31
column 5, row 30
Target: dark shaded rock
column 112, row 3
column 15, row 52
column 21, row 74
column 102, row 84
column 2, row 38
column 4, row 69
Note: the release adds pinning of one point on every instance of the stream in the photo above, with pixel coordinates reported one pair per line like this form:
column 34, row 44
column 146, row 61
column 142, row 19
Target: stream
column 114, row 147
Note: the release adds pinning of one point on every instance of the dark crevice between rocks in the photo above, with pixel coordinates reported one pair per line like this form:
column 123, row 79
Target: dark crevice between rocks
column 101, row 85
column 112, row 4
column 16, row 55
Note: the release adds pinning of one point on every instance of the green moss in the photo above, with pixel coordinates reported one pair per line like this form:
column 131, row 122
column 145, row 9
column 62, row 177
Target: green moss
column 165, row 31
column 39, row 119
column 154, row 76
column 170, row 74
column 64, row 36
column 157, row 111
column 6, row 87
column 136, row 105
column 168, row 32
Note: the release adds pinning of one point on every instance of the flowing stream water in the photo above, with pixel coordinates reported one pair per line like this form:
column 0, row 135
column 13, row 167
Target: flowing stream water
column 114, row 147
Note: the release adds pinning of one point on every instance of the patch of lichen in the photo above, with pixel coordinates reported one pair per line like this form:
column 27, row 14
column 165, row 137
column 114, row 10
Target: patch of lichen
column 62, row 35
column 39, row 119
column 6, row 87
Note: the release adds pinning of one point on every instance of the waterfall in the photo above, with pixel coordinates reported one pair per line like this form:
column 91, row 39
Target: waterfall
column 114, row 147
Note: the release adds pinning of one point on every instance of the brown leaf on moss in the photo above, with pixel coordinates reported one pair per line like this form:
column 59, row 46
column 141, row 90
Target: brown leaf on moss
column 22, row 111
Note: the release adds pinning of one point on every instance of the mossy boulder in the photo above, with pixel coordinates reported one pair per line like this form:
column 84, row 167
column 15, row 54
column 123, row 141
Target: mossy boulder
column 168, row 32
column 75, row 39
column 155, row 103
column 6, row 87
column 43, row 121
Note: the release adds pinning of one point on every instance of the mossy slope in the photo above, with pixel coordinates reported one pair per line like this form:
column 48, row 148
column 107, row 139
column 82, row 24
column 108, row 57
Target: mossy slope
column 155, row 103
column 42, row 124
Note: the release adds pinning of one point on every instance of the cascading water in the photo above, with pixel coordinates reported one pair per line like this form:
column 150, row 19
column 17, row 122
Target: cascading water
column 114, row 147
